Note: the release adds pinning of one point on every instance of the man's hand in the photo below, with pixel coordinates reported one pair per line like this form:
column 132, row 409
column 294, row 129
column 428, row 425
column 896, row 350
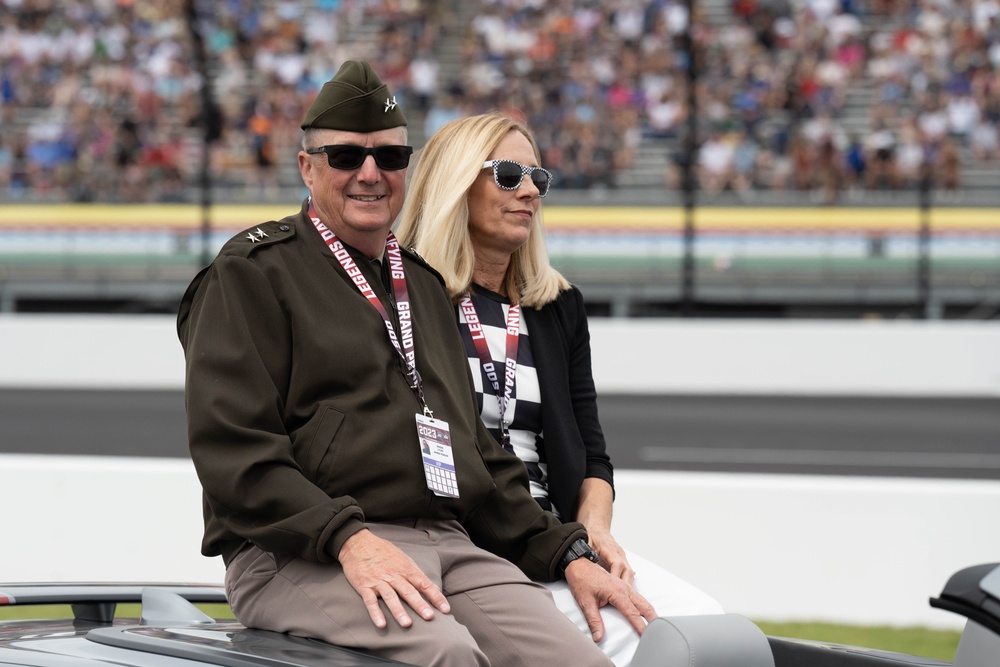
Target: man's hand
column 593, row 587
column 377, row 568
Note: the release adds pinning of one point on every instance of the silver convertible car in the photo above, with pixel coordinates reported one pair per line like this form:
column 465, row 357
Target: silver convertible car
column 172, row 632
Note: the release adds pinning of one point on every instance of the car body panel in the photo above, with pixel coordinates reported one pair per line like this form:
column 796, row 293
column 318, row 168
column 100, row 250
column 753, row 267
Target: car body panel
column 171, row 632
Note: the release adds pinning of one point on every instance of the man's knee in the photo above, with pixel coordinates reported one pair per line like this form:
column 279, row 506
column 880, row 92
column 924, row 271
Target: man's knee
column 526, row 631
column 449, row 651
column 441, row 642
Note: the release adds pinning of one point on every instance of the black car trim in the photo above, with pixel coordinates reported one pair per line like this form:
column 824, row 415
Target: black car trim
column 237, row 646
column 22, row 594
column 97, row 602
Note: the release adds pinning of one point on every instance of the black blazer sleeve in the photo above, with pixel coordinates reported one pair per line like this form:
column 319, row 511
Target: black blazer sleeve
column 574, row 441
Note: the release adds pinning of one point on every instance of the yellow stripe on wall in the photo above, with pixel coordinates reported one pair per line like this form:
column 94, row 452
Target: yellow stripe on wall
column 562, row 218
column 778, row 219
column 111, row 216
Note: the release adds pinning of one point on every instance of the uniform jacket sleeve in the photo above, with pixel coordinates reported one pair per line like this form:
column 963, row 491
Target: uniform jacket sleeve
column 238, row 346
column 511, row 524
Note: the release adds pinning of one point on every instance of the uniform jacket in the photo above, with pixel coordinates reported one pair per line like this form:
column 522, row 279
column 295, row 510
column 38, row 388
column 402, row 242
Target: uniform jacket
column 574, row 442
column 301, row 421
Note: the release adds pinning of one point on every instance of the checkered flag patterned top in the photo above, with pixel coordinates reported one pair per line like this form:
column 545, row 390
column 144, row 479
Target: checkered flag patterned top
column 524, row 412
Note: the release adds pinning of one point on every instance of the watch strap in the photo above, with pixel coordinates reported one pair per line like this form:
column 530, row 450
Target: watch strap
column 578, row 549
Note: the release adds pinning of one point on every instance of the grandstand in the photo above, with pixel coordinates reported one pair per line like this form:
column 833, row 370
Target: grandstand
column 113, row 84
column 805, row 110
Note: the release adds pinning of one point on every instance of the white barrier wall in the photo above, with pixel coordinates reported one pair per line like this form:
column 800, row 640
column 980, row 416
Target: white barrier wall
column 903, row 358
column 857, row 550
column 780, row 547
column 784, row 357
column 860, row 550
column 90, row 351
column 83, row 518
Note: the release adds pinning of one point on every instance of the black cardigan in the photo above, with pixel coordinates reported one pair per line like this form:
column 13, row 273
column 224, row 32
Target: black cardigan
column 574, row 442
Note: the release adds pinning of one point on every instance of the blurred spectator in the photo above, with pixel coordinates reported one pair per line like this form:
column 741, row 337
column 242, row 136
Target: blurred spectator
column 880, row 149
column 666, row 114
column 829, row 170
column 855, row 164
column 445, row 108
column 423, row 81
column 260, row 128
column 802, row 158
column 985, row 140
column 746, row 160
column 910, row 155
column 963, row 112
column 6, row 165
column 715, row 162
column 947, row 167
column 932, row 117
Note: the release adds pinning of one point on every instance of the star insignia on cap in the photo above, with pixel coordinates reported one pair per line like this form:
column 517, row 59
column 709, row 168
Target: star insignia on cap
column 256, row 237
column 390, row 104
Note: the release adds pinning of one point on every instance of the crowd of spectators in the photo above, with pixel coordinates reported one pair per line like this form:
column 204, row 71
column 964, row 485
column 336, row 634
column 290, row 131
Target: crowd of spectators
column 101, row 100
column 925, row 76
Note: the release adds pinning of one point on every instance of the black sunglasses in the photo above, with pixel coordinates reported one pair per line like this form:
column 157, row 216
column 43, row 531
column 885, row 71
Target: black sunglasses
column 349, row 156
column 509, row 174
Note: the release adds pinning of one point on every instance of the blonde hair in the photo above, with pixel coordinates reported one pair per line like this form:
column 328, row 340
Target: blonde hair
column 435, row 217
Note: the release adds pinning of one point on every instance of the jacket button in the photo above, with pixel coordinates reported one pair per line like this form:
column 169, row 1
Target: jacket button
column 283, row 228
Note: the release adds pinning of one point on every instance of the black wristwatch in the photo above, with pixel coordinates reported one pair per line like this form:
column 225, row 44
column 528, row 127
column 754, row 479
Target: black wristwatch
column 579, row 549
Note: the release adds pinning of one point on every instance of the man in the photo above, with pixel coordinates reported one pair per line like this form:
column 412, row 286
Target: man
column 332, row 421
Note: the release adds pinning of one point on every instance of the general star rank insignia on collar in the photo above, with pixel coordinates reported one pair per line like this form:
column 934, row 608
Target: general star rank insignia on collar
column 389, row 104
column 260, row 235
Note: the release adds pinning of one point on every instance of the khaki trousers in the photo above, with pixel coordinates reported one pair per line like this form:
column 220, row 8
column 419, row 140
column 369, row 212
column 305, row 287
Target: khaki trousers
column 498, row 616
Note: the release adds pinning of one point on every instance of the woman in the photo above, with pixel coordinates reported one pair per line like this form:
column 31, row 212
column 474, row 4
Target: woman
column 474, row 212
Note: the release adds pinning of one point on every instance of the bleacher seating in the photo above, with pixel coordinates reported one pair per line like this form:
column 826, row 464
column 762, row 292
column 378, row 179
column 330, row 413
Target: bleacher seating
column 825, row 99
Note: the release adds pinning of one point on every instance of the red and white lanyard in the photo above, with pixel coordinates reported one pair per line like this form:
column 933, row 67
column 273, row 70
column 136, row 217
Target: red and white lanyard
column 400, row 295
column 486, row 359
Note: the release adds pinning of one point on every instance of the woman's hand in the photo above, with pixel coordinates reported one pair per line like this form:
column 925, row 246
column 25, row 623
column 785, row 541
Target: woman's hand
column 594, row 512
column 613, row 557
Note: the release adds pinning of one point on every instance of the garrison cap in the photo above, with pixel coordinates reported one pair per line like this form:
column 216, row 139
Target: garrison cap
column 354, row 100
